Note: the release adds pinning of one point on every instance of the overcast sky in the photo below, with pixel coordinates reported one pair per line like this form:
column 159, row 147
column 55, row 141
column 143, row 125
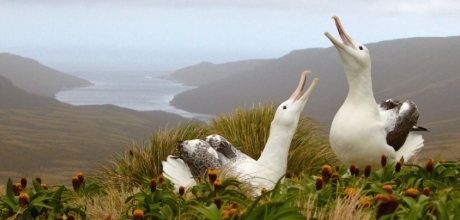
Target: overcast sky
column 72, row 35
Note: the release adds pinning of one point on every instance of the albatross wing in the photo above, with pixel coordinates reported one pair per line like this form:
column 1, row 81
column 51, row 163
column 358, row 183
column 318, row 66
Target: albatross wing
column 199, row 156
column 400, row 120
column 177, row 172
column 227, row 152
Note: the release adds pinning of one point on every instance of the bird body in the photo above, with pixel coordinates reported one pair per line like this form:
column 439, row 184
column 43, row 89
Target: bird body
column 363, row 130
column 263, row 172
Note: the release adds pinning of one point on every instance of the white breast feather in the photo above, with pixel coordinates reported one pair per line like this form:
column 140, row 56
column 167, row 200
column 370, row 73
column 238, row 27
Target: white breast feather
column 389, row 118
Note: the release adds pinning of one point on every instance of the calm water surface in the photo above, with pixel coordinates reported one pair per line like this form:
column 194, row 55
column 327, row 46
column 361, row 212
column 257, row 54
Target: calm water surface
column 143, row 91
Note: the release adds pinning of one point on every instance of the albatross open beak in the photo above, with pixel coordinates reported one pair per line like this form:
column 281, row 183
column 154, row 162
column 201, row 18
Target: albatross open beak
column 347, row 41
column 298, row 92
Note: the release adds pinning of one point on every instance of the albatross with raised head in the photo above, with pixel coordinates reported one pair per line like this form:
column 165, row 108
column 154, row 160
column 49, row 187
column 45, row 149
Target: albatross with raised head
column 363, row 130
column 197, row 155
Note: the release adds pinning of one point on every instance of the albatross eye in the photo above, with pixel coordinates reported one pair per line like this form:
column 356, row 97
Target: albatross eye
column 361, row 47
column 284, row 107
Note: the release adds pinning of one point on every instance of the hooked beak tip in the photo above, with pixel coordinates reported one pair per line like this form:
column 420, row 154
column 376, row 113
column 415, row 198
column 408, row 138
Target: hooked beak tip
column 315, row 81
column 306, row 72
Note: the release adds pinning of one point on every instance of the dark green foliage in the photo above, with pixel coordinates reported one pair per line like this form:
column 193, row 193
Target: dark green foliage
column 44, row 204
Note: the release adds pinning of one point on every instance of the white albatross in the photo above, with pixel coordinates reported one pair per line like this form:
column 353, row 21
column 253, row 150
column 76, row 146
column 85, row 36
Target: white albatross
column 214, row 151
column 363, row 130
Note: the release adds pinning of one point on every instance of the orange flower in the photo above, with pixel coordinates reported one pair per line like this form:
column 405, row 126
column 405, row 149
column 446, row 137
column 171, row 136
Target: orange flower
column 217, row 185
column 81, row 178
column 387, row 204
column 319, row 183
column 326, row 173
column 429, row 165
column 44, row 186
column 232, row 211
column 350, row 191
column 75, row 183
column 225, row 214
column 426, row 191
column 335, row 179
column 160, row 178
column 411, row 192
column 24, row 199
column 138, row 214
column 263, row 191
column 17, row 189
column 70, row 217
column 365, row 201
column 388, row 188
column 212, row 175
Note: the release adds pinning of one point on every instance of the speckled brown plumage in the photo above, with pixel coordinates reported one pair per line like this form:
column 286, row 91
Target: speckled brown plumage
column 198, row 155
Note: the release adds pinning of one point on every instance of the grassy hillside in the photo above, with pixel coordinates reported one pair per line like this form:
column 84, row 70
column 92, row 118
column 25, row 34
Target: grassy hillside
column 424, row 70
column 32, row 77
column 40, row 136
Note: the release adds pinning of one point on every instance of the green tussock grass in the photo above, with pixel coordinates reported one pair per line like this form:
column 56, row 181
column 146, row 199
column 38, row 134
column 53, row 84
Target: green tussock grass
column 142, row 161
column 249, row 129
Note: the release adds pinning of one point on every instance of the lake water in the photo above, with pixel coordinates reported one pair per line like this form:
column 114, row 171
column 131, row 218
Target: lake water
column 143, row 91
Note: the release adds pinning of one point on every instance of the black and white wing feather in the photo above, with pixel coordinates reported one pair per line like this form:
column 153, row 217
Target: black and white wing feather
column 399, row 119
column 226, row 151
column 198, row 155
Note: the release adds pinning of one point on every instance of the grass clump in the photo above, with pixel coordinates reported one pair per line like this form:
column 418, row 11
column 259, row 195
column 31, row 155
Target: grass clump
column 139, row 162
column 249, row 129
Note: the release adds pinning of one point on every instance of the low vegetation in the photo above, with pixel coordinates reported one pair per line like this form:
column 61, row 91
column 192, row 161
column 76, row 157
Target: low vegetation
column 316, row 186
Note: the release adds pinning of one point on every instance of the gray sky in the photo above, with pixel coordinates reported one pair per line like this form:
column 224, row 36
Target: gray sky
column 72, row 35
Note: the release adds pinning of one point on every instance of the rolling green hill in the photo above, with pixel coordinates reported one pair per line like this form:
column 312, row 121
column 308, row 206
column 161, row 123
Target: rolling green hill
column 40, row 136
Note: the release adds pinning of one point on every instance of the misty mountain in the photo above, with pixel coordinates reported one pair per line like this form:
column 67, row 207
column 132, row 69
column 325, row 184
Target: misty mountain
column 424, row 70
column 35, row 78
column 206, row 72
